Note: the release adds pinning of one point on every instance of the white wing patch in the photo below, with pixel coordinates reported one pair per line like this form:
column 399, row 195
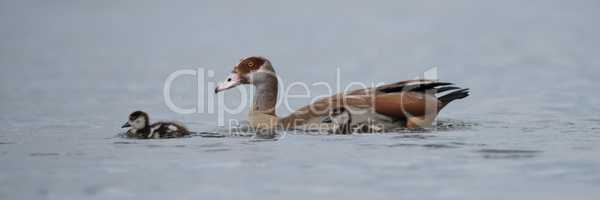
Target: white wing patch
column 152, row 133
column 172, row 128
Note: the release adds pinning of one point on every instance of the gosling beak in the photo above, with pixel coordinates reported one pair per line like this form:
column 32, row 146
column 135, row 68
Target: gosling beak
column 231, row 81
column 326, row 119
column 126, row 125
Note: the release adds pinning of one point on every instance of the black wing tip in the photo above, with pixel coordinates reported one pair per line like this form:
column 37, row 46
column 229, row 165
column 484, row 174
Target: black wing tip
column 454, row 95
column 414, row 85
column 446, row 88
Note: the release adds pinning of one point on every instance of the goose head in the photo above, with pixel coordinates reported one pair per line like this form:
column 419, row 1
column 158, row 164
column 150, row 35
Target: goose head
column 250, row 70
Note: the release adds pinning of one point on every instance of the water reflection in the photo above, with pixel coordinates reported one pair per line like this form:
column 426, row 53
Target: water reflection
column 508, row 153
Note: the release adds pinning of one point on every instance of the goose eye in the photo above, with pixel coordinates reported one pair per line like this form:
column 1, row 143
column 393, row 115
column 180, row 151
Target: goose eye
column 251, row 64
column 229, row 79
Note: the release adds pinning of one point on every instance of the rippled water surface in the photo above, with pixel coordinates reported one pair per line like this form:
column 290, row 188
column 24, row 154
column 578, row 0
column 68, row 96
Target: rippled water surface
column 73, row 71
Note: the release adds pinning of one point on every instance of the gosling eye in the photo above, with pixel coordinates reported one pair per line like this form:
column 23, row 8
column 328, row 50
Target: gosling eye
column 326, row 119
column 337, row 111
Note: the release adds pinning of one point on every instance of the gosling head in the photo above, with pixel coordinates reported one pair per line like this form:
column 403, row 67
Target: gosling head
column 341, row 120
column 137, row 120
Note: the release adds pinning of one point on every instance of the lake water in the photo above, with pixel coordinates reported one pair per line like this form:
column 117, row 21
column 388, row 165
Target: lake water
column 73, row 71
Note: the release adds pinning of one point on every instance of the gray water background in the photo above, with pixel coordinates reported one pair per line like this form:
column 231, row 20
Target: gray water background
column 71, row 72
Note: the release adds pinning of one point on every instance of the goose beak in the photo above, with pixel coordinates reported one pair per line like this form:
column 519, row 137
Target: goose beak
column 126, row 125
column 231, row 81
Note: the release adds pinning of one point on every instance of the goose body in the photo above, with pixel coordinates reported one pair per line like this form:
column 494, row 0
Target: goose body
column 140, row 128
column 410, row 104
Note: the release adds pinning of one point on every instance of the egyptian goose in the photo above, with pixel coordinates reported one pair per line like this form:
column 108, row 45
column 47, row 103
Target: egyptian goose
column 409, row 104
column 140, row 128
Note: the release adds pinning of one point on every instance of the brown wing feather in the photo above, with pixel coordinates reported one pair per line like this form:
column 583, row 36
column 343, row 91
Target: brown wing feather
column 405, row 104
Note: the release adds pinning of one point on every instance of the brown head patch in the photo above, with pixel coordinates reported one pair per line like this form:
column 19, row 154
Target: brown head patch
column 249, row 64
